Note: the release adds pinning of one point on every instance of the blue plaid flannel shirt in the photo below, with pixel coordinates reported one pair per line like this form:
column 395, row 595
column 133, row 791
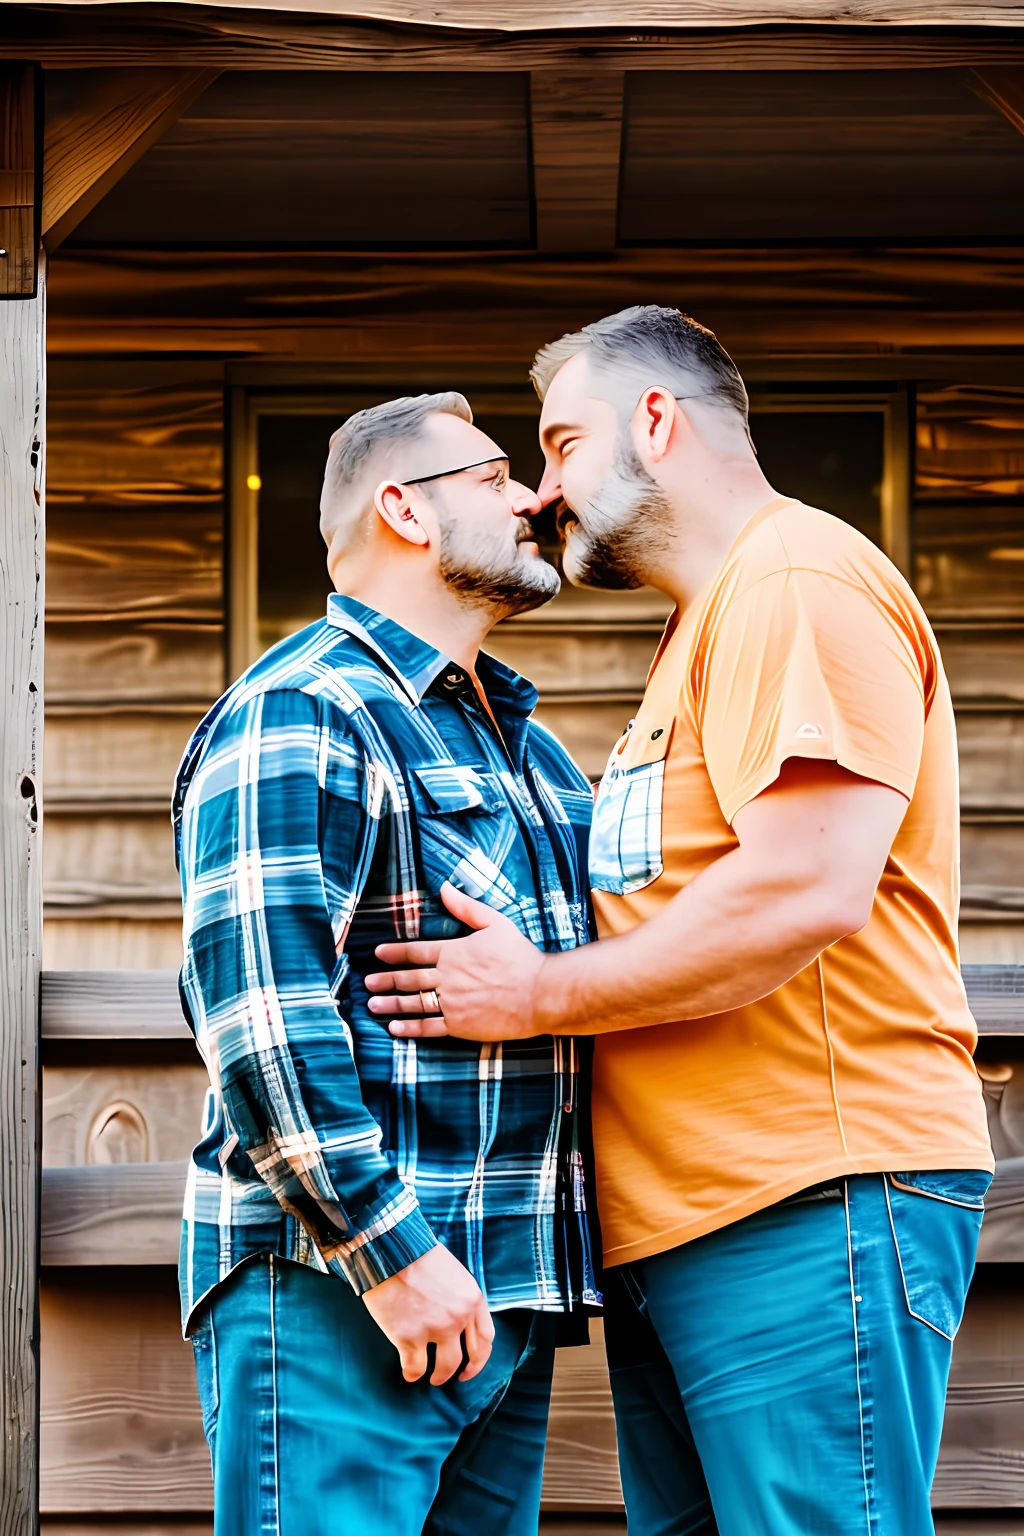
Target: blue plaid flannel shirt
column 318, row 808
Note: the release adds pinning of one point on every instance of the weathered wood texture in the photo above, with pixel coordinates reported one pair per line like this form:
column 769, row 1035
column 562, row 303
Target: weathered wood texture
column 981, row 1464
column 121, row 1428
column 120, row 1421
column 99, row 1115
column 22, row 454
column 350, row 160
column 98, row 124
column 116, row 1213
column 576, row 134
column 202, row 33
column 764, row 155
column 136, row 644
column 19, row 180
column 139, row 1005
column 777, row 311
column 111, row 1005
column 84, row 943
column 1003, row 89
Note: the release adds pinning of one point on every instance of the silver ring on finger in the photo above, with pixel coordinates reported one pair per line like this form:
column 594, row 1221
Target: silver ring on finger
column 430, row 1001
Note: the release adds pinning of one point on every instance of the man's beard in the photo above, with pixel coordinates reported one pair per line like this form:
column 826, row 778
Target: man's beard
column 489, row 579
column 629, row 521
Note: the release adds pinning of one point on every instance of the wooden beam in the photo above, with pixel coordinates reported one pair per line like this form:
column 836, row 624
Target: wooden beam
column 112, row 1005
column 19, row 180
column 22, row 417
column 576, row 122
column 116, row 115
column 72, row 37
column 143, row 1005
column 1003, row 89
column 112, row 1213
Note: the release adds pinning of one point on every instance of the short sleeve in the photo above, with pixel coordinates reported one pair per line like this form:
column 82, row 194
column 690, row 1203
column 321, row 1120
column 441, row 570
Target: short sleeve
column 805, row 664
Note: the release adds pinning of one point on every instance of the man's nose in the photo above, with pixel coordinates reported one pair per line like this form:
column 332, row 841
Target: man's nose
column 550, row 488
column 525, row 503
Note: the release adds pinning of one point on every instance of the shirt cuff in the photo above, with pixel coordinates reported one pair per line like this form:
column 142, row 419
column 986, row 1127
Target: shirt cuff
column 399, row 1235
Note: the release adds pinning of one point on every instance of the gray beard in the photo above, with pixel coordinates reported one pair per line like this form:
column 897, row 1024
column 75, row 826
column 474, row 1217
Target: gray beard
column 629, row 520
column 504, row 589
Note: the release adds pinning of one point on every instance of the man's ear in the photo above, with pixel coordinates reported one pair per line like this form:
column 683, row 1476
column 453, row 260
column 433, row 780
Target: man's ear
column 656, row 417
column 394, row 505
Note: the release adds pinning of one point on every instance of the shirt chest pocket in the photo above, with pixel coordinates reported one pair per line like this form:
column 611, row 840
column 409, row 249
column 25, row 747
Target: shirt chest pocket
column 464, row 831
column 626, row 834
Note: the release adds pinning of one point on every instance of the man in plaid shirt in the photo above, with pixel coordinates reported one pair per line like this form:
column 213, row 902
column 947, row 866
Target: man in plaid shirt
column 356, row 1195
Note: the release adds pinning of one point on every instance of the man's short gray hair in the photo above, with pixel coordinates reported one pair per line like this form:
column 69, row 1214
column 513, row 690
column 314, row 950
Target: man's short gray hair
column 366, row 433
column 663, row 344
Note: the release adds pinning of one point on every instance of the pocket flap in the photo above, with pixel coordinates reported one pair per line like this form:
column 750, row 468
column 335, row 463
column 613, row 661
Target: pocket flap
column 449, row 787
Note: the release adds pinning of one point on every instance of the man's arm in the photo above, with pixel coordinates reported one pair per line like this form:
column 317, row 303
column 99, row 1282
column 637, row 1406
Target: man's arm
column 812, row 848
column 264, row 952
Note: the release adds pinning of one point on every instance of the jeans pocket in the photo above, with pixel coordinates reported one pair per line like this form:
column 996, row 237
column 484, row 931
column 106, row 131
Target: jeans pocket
column 936, row 1219
column 204, row 1351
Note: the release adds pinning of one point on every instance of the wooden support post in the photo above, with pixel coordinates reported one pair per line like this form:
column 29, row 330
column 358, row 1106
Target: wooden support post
column 19, row 179
column 577, row 131
column 22, row 417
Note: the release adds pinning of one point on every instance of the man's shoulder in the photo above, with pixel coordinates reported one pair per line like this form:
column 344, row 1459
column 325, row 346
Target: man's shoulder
column 319, row 676
column 794, row 536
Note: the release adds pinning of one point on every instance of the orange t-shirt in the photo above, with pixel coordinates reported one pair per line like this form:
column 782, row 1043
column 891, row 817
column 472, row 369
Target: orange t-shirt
column 808, row 643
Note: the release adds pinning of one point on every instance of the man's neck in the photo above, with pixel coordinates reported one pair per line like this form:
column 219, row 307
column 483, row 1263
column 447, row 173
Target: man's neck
column 708, row 525
column 436, row 617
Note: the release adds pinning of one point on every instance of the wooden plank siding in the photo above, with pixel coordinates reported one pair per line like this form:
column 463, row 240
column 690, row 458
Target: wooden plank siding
column 135, row 629
column 122, row 1430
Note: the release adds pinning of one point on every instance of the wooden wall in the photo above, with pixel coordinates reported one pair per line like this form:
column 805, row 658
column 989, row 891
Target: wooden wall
column 134, row 644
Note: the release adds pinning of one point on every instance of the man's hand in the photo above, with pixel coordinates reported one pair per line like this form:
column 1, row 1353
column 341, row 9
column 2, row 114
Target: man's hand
column 487, row 983
column 434, row 1300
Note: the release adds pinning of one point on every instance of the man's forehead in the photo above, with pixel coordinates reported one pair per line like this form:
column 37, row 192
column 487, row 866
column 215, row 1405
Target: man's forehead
column 448, row 443
column 574, row 394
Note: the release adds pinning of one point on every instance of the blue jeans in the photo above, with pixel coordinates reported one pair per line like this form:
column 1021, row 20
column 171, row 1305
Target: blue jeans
column 787, row 1374
column 313, row 1431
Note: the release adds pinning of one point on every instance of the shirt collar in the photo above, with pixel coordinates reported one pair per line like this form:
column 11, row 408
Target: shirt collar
column 416, row 664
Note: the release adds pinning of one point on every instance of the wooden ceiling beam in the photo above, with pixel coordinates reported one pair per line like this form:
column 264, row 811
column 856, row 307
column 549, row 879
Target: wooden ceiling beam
column 83, row 36
column 576, row 124
column 1003, row 89
column 114, row 117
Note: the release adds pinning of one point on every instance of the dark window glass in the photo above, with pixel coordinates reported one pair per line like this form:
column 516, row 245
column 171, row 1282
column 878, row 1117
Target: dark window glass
column 829, row 459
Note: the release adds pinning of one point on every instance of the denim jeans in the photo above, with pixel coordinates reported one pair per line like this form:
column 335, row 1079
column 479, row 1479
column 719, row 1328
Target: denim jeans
column 787, row 1374
column 313, row 1431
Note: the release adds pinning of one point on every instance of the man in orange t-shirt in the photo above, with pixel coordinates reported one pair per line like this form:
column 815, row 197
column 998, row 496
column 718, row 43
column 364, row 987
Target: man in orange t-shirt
column 790, row 1139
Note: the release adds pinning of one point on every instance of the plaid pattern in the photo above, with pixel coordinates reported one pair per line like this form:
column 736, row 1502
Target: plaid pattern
column 319, row 806
column 625, row 840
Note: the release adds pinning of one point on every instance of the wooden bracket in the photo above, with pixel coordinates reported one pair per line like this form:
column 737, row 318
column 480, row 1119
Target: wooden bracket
column 114, row 117
column 19, row 180
column 577, row 132
column 1002, row 89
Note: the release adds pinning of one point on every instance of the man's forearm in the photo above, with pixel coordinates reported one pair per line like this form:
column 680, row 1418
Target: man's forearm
column 731, row 936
